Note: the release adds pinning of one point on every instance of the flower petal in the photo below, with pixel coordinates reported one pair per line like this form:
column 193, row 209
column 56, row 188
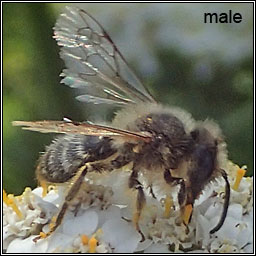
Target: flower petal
column 121, row 236
column 27, row 246
column 157, row 248
column 84, row 224
column 112, row 212
column 58, row 242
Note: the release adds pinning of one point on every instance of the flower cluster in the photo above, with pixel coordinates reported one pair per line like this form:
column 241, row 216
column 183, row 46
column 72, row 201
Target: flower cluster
column 99, row 219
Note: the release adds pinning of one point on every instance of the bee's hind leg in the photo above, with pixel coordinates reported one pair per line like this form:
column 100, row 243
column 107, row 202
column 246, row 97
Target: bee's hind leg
column 77, row 182
column 141, row 200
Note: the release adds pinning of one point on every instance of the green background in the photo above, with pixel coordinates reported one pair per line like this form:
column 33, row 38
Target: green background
column 167, row 46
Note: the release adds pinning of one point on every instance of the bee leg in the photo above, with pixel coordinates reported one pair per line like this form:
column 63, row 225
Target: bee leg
column 182, row 194
column 173, row 181
column 151, row 191
column 141, row 200
column 78, row 180
column 226, row 203
column 186, row 199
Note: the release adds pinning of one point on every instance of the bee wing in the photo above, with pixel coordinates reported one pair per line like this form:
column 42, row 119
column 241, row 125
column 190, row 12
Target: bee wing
column 94, row 63
column 70, row 127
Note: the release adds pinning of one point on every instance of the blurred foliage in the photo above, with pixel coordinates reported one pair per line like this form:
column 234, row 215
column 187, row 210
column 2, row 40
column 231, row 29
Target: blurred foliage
column 31, row 90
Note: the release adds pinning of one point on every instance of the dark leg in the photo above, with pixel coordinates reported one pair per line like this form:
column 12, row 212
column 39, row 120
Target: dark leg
column 176, row 181
column 78, row 180
column 151, row 191
column 186, row 205
column 226, row 203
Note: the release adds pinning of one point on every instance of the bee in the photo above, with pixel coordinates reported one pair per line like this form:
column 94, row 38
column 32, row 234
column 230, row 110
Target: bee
column 157, row 141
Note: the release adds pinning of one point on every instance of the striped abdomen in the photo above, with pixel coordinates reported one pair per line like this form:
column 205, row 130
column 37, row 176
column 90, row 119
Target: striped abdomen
column 66, row 154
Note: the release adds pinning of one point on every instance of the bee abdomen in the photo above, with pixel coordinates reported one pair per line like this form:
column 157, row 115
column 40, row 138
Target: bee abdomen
column 65, row 155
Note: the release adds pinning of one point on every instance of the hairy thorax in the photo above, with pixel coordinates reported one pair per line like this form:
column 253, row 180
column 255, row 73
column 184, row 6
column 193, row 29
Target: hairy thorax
column 170, row 138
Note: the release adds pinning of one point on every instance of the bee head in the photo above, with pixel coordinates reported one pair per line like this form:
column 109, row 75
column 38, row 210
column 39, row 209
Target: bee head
column 201, row 135
column 208, row 134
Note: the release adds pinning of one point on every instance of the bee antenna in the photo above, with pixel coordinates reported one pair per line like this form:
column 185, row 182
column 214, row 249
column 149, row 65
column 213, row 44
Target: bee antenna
column 226, row 203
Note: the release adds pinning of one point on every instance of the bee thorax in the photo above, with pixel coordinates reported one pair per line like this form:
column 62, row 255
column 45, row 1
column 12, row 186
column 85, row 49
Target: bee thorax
column 169, row 143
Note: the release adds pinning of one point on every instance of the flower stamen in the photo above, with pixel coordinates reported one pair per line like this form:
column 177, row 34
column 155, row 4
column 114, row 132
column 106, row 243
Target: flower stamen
column 45, row 188
column 10, row 201
column 53, row 222
column 5, row 198
column 92, row 245
column 239, row 175
column 52, row 225
column 42, row 235
column 84, row 239
column 99, row 232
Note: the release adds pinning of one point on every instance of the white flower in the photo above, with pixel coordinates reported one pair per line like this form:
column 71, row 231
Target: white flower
column 99, row 220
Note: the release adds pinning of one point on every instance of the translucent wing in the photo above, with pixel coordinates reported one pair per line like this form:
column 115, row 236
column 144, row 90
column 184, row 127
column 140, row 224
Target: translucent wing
column 94, row 63
column 70, row 127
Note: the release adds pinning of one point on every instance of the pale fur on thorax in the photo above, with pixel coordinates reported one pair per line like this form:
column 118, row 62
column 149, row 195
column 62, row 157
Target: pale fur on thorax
column 128, row 115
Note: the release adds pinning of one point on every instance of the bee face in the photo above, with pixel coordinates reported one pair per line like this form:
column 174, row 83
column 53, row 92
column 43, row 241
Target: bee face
column 143, row 133
column 209, row 134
